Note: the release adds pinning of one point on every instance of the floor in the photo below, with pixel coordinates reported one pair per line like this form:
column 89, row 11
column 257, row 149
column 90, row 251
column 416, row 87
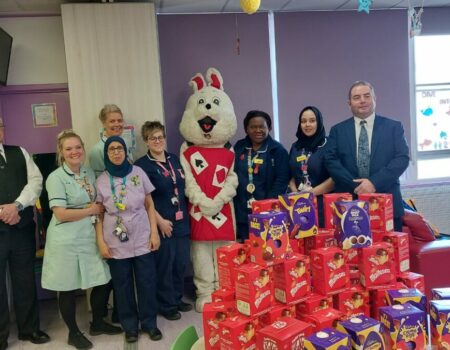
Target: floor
column 52, row 324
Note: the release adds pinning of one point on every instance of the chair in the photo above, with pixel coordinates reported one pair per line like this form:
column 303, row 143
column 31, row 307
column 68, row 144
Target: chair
column 185, row 339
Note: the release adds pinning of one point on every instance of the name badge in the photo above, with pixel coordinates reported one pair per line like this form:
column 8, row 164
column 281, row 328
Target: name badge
column 259, row 161
column 301, row 158
column 179, row 215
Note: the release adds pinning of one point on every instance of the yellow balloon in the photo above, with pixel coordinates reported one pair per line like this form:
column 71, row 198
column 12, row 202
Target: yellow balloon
column 250, row 6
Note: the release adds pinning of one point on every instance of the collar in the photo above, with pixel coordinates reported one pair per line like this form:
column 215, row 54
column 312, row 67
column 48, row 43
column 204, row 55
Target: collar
column 149, row 156
column 262, row 149
column 370, row 120
column 69, row 172
column 2, row 149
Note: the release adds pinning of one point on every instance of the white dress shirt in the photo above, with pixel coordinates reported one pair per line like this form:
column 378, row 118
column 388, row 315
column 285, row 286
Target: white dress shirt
column 369, row 127
column 33, row 188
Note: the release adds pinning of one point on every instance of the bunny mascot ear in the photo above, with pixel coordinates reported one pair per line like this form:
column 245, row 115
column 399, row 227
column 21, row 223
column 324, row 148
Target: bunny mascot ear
column 197, row 82
column 214, row 78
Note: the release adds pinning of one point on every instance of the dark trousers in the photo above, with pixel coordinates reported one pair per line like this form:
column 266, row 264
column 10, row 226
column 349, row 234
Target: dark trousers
column 172, row 258
column 398, row 224
column 125, row 273
column 18, row 250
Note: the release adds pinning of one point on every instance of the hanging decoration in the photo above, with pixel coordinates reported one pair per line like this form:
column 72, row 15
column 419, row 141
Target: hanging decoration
column 364, row 5
column 250, row 6
column 415, row 19
column 238, row 39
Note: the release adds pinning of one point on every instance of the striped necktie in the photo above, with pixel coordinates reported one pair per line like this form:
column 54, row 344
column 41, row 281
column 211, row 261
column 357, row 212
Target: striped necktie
column 363, row 152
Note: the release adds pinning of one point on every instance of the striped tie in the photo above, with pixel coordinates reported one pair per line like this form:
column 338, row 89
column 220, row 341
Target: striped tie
column 363, row 152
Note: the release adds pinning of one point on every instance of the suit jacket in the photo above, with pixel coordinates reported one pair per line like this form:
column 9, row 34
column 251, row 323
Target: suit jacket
column 389, row 158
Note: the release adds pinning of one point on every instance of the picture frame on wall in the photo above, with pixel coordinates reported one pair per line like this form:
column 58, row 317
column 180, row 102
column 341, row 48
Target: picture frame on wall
column 44, row 115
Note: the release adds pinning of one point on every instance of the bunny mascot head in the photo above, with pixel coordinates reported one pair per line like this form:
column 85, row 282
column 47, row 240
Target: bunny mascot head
column 207, row 125
column 209, row 117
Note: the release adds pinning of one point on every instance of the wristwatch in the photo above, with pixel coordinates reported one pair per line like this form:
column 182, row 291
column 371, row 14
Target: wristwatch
column 18, row 205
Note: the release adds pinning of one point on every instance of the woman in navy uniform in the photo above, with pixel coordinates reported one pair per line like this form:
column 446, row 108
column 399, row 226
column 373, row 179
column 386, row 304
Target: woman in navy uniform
column 262, row 166
column 166, row 174
column 306, row 158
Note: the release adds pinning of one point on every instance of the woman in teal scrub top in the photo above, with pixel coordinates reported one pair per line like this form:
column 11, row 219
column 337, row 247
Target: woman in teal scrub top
column 72, row 260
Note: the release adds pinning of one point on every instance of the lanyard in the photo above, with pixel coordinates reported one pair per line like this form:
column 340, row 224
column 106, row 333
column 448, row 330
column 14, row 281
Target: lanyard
column 172, row 174
column 251, row 170
column 118, row 200
column 303, row 160
column 85, row 184
column 175, row 199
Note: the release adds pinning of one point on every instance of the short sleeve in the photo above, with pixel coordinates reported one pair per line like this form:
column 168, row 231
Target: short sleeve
column 96, row 161
column 99, row 187
column 146, row 183
column 56, row 190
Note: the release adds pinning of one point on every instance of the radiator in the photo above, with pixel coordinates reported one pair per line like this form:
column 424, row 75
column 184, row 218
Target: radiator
column 432, row 201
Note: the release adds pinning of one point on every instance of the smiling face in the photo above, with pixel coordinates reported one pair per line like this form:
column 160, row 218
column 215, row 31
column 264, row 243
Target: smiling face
column 116, row 153
column 113, row 124
column 257, row 130
column 72, row 152
column 308, row 122
column 362, row 101
column 156, row 142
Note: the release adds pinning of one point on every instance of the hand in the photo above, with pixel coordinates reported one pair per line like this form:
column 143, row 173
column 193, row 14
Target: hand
column 210, row 207
column 166, row 228
column 365, row 186
column 97, row 208
column 154, row 242
column 104, row 250
column 9, row 214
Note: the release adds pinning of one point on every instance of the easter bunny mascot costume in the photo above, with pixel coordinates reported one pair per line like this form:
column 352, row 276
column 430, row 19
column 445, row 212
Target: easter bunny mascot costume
column 207, row 158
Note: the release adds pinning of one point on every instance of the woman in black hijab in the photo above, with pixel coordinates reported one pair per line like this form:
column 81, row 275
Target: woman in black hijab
column 306, row 158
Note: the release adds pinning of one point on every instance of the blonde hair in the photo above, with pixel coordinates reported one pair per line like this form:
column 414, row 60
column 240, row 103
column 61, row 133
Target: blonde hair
column 109, row 108
column 62, row 136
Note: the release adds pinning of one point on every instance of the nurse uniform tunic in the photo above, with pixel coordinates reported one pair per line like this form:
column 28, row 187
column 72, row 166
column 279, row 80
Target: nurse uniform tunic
column 72, row 259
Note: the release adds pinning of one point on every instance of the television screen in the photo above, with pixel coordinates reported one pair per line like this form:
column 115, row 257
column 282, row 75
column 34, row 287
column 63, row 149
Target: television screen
column 5, row 54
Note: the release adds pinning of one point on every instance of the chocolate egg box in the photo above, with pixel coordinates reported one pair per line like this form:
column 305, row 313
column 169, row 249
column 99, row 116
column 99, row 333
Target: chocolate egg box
column 302, row 213
column 352, row 224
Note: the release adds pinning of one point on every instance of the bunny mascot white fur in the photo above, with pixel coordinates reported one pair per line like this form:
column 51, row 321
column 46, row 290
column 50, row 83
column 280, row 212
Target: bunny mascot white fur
column 207, row 158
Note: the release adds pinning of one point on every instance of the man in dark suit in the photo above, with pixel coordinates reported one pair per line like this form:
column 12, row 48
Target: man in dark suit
column 21, row 185
column 368, row 153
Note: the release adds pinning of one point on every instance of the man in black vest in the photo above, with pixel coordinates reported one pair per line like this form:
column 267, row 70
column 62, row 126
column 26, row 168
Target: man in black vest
column 21, row 185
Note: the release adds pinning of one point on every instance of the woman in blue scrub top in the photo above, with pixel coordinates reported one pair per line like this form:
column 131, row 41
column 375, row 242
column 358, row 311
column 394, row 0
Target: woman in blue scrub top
column 262, row 166
column 306, row 158
column 166, row 174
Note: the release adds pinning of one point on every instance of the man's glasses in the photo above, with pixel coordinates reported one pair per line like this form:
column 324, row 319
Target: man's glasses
column 157, row 138
column 118, row 149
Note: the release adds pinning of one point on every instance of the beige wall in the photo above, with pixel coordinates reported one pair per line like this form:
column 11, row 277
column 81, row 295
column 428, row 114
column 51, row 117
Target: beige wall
column 38, row 55
column 112, row 57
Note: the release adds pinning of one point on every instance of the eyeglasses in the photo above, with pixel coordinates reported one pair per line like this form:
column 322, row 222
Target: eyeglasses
column 118, row 149
column 158, row 138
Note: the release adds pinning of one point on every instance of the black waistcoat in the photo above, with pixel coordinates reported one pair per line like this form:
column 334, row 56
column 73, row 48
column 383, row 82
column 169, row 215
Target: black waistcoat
column 13, row 178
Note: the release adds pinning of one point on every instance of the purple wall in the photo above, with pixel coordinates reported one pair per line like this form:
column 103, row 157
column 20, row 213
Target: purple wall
column 320, row 54
column 436, row 21
column 192, row 43
column 15, row 107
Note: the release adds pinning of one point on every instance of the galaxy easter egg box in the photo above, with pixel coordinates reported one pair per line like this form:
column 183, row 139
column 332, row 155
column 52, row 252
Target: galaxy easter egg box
column 352, row 224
